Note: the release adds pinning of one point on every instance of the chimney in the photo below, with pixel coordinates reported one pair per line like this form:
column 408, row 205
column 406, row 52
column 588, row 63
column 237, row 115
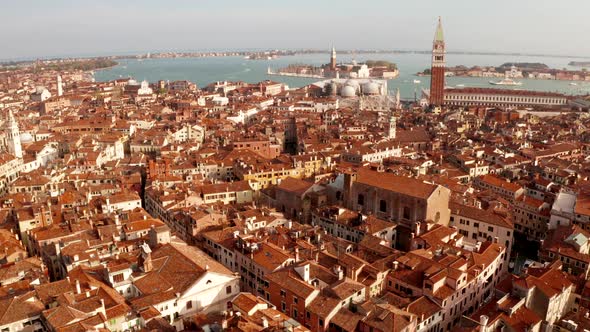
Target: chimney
column 483, row 320
column 78, row 291
column 296, row 254
column 264, row 323
column 395, row 265
column 338, row 271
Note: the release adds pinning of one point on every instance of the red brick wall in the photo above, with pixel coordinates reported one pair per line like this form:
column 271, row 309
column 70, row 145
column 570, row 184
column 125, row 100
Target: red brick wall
column 437, row 86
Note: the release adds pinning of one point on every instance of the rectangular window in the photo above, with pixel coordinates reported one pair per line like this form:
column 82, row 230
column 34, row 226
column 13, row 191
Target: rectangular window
column 382, row 205
column 228, row 289
column 189, row 304
column 406, row 213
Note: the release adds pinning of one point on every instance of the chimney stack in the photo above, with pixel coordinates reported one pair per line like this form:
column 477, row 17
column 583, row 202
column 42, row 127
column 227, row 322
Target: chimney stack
column 483, row 320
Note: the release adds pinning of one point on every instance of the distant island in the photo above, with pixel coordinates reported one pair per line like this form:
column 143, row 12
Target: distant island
column 512, row 70
column 369, row 69
column 61, row 64
column 579, row 63
column 525, row 65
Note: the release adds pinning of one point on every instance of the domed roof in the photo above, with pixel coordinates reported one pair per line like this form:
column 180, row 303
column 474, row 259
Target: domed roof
column 371, row 88
column 353, row 83
column 348, row 91
column 26, row 137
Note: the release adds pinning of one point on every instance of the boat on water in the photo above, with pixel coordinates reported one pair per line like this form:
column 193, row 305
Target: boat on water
column 417, row 82
column 460, row 85
column 574, row 84
column 506, row 81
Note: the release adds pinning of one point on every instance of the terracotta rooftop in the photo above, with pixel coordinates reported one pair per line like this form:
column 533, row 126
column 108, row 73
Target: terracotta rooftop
column 400, row 184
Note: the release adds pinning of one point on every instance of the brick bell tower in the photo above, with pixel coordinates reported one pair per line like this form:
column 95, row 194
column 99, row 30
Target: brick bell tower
column 437, row 78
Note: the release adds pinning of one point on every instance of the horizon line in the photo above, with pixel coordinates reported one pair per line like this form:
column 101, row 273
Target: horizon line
column 296, row 50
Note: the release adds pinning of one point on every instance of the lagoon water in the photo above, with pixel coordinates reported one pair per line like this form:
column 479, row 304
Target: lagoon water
column 204, row 70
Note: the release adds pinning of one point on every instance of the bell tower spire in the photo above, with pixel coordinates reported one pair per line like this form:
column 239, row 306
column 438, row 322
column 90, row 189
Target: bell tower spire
column 60, row 88
column 391, row 130
column 437, row 71
column 12, row 134
column 333, row 59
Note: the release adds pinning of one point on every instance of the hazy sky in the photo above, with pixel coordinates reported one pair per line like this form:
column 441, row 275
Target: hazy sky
column 36, row 28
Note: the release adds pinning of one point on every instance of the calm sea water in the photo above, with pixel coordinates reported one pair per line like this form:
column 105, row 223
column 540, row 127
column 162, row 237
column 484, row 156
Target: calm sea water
column 203, row 71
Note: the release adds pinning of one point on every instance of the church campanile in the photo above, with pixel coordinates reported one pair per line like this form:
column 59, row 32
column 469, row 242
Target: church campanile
column 437, row 78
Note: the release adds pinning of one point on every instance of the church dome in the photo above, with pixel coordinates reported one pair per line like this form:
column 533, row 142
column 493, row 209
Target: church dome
column 353, row 83
column 348, row 91
column 371, row 88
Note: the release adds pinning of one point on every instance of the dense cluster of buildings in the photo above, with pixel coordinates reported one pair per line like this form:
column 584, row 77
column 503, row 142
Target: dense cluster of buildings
column 164, row 206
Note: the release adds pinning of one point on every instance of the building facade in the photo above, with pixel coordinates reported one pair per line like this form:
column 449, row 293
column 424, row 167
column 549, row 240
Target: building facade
column 502, row 98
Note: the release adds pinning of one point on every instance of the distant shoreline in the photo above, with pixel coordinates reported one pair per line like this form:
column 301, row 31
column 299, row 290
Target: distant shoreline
column 171, row 54
column 534, row 71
